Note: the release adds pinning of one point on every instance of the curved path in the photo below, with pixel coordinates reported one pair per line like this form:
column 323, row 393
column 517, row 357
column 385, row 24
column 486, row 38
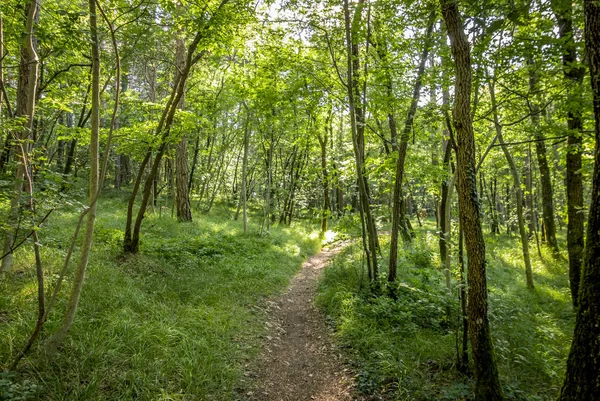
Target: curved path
column 298, row 361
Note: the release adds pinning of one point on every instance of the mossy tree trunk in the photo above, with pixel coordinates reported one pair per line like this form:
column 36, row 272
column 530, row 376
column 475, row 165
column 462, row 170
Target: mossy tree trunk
column 487, row 385
column 582, row 381
column 573, row 74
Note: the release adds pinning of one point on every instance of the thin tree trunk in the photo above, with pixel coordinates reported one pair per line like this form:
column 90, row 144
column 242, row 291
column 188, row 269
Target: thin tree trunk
column 398, row 215
column 549, row 231
column 517, row 187
column 245, row 172
column 323, row 141
column 357, row 120
column 194, row 163
column 88, row 235
column 487, row 386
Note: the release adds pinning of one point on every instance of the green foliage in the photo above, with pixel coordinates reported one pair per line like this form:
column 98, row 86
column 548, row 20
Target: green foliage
column 11, row 391
column 405, row 348
column 179, row 321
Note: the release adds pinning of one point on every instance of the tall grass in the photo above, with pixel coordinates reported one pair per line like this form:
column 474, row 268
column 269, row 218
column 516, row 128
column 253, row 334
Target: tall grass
column 405, row 349
column 177, row 322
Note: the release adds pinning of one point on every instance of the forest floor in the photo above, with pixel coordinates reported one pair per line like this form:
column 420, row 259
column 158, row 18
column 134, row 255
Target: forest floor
column 299, row 361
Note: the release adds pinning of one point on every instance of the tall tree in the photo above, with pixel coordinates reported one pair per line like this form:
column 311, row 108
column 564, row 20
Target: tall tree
column 487, row 385
column 398, row 216
column 26, row 97
column 582, row 381
column 357, row 125
column 549, row 226
column 93, row 191
column 193, row 55
column 516, row 185
column 184, row 210
column 573, row 74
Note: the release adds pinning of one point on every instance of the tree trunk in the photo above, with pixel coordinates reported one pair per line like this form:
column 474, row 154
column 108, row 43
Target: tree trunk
column 357, row 123
column 26, row 91
column 245, row 173
column 398, row 216
column 582, row 382
column 517, row 187
column 323, row 141
column 549, row 231
column 184, row 210
column 487, row 386
column 88, row 235
column 573, row 74
column 463, row 357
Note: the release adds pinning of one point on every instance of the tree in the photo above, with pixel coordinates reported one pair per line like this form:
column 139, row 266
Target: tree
column 357, row 125
column 163, row 130
column 26, row 97
column 398, row 216
column 582, row 381
column 516, row 184
column 487, row 385
column 94, row 187
column 184, row 211
column 573, row 77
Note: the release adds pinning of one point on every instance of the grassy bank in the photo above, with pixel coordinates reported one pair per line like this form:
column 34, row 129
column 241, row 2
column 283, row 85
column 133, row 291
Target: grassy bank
column 405, row 349
column 177, row 322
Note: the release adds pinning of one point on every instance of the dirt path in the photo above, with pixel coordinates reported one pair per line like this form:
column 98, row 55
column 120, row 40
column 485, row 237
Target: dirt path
column 299, row 362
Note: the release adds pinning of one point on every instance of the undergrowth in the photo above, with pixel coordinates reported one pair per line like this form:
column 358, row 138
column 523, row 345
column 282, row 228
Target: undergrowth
column 405, row 348
column 177, row 322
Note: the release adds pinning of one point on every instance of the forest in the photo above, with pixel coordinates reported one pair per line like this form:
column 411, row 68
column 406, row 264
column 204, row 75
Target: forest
column 295, row 200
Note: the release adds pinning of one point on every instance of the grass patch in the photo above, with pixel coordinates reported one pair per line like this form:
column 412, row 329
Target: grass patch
column 405, row 349
column 177, row 322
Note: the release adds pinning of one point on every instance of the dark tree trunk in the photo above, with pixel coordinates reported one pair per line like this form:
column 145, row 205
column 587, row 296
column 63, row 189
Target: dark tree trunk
column 398, row 216
column 325, row 176
column 182, row 193
column 357, row 118
column 582, row 382
column 517, row 187
column 487, row 385
column 26, row 89
column 549, row 231
column 573, row 74
column 184, row 210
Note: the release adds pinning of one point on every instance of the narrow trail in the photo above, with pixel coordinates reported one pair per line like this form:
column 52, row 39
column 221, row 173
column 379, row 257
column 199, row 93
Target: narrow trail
column 299, row 362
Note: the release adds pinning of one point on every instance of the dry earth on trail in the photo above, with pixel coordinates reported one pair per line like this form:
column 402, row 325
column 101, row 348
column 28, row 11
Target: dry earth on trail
column 299, row 361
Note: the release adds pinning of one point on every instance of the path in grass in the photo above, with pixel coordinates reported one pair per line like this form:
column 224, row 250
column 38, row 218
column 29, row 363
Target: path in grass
column 299, row 361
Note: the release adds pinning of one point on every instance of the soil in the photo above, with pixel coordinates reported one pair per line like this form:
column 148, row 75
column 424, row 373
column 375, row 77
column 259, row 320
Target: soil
column 299, row 361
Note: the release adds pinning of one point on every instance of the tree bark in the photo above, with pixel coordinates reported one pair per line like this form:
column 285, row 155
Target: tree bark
column 573, row 74
column 357, row 123
column 582, row 381
column 184, row 210
column 26, row 91
column 94, row 179
column 540, row 149
column 517, row 187
column 398, row 215
column 487, row 386
column 245, row 172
